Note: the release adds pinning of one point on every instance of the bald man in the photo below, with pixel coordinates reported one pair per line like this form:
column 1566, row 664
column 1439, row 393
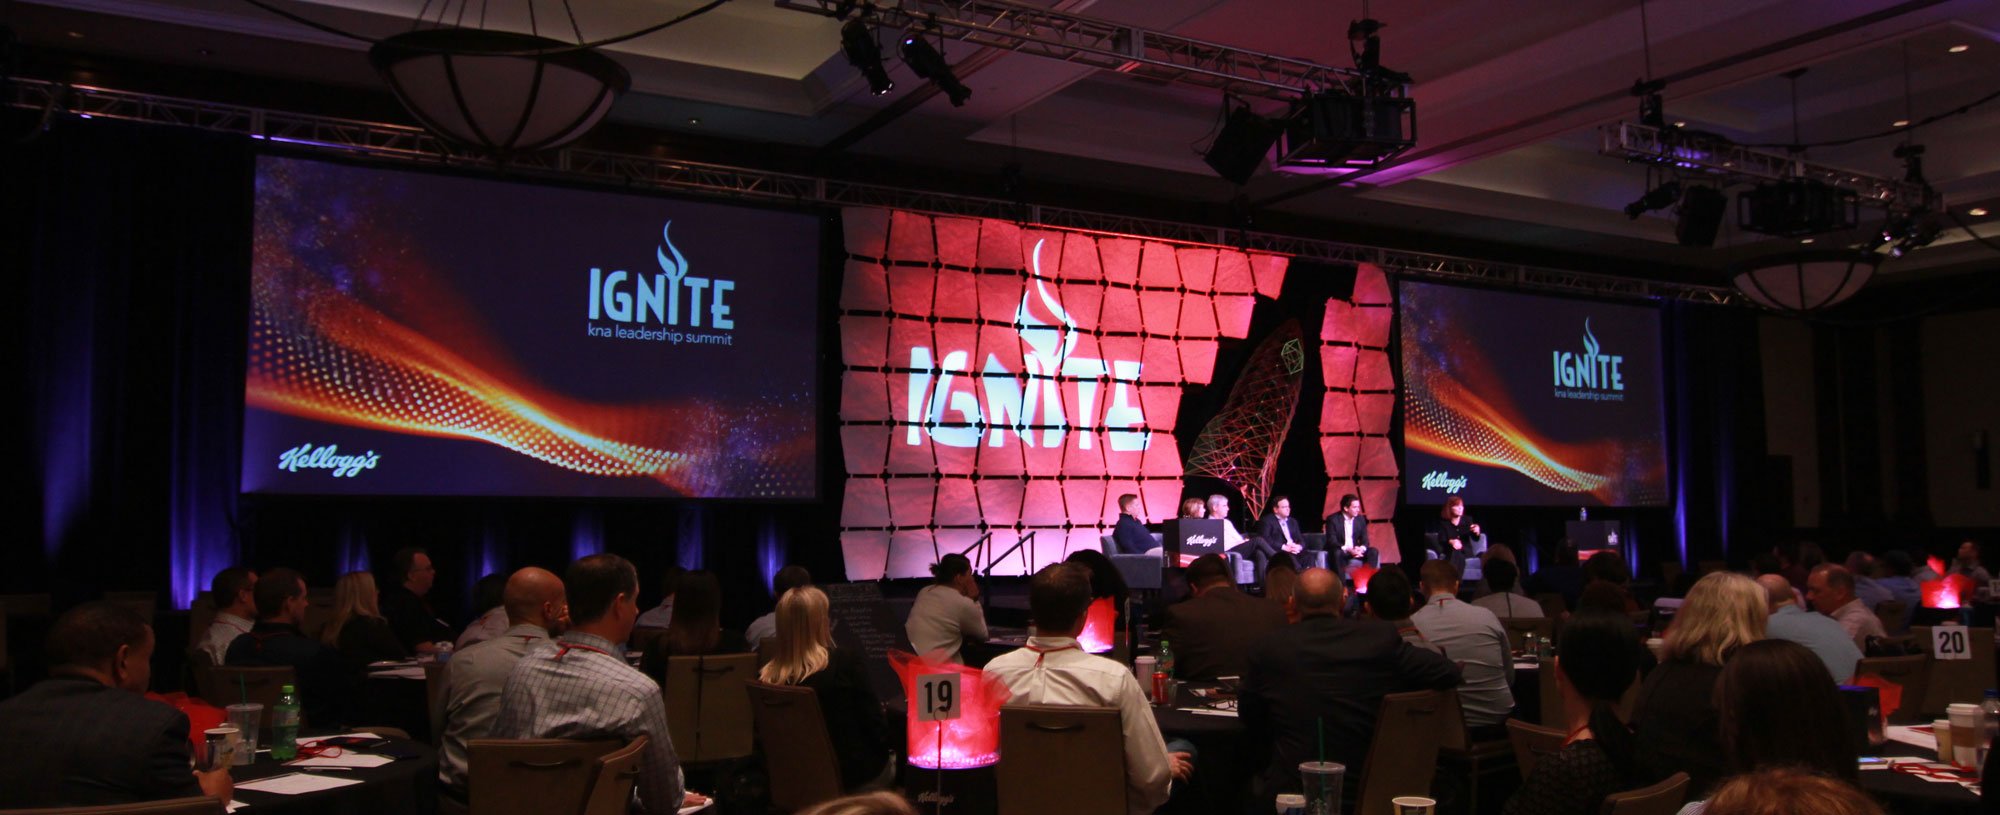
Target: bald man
column 1324, row 669
column 1820, row 633
column 537, row 609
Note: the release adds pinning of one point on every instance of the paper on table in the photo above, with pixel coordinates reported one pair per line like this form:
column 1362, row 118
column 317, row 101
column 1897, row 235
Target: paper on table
column 1912, row 736
column 295, row 783
column 1202, row 711
column 359, row 734
column 345, row 759
column 694, row 809
column 235, row 805
column 413, row 672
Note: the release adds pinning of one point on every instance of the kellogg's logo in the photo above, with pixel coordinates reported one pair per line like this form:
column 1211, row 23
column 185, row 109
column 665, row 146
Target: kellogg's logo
column 1435, row 480
column 308, row 457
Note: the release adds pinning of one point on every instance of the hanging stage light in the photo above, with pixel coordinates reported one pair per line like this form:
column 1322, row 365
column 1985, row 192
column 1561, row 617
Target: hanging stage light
column 930, row 64
column 857, row 40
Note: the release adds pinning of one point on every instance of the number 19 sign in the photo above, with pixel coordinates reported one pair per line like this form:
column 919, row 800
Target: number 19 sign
column 937, row 697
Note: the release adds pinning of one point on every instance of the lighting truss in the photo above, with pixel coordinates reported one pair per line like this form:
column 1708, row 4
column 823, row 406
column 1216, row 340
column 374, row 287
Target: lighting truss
column 414, row 145
column 1709, row 155
column 1109, row 46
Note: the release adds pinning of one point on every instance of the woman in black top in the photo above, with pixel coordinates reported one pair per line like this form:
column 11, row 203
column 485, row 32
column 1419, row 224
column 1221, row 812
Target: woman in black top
column 358, row 630
column 1458, row 536
column 803, row 654
column 696, row 629
column 1676, row 719
column 1593, row 668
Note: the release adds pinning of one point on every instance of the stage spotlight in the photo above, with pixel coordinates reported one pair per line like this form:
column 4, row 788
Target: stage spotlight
column 929, row 64
column 1659, row 197
column 1699, row 216
column 858, row 42
column 1238, row 151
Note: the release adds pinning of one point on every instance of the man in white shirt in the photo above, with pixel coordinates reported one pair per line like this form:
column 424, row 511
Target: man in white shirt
column 1472, row 637
column 766, row 627
column 1501, row 575
column 235, row 605
column 1347, row 538
column 1054, row 670
column 536, row 610
column 1218, row 509
column 1830, row 589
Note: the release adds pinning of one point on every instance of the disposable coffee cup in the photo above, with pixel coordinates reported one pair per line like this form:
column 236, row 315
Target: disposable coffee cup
column 1290, row 804
column 1964, row 718
column 1143, row 667
column 1322, row 780
column 247, row 717
column 1413, row 805
column 1942, row 729
column 217, row 748
column 1658, row 646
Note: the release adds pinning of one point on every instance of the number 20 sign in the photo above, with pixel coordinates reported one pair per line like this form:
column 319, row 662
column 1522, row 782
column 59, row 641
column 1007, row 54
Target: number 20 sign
column 937, row 697
column 1949, row 642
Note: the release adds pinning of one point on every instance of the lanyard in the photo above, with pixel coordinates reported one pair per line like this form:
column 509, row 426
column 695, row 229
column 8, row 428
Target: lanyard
column 1572, row 735
column 576, row 646
column 1044, row 652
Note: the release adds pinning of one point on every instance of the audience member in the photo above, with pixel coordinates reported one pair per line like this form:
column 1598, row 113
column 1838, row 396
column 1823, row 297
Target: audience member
column 1968, row 563
column 1789, row 791
column 1867, row 585
column 1391, row 598
column 87, row 735
column 1675, row 720
column 1831, row 591
column 803, row 654
column 406, row 603
column 1279, row 584
column 1562, row 576
column 325, row 684
column 1896, row 571
column 874, row 803
column 536, row 610
column 662, row 615
column 947, row 611
column 1500, row 576
column 235, row 607
column 1054, row 670
column 1593, row 668
column 357, row 629
column 1212, row 631
column 492, row 619
column 765, row 627
column 1605, row 596
column 1609, row 567
column 578, row 686
column 697, row 627
column 1105, row 580
column 1779, row 708
column 1786, row 556
column 1826, row 639
column 1498, row 552
column 1472, row 637
column 1322, row 682
column 1130, row 535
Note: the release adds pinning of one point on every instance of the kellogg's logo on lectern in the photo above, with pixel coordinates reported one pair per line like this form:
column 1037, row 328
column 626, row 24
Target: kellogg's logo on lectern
column 953, row 404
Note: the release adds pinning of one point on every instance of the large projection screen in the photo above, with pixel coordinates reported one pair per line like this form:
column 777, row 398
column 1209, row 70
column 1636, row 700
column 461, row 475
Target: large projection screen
column 429, row 334
column 1514, row 399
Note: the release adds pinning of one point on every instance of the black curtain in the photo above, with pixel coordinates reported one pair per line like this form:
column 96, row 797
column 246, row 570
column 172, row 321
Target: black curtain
column 1730, row 497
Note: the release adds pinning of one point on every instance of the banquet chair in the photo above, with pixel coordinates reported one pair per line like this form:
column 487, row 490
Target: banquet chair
column 531, row 776
column 203, row 805
column 796, row 746
column 1518, row 629
column 1532, row 742
column 1479, row 757
column 1895, row 616
column 1060, row 758
column 1403, row 756
column 1910, row 673
column 1664, row 798
column 708, row 714
column 1955, row 680
column 263, row 685
column 613, row 775
column 144, row 602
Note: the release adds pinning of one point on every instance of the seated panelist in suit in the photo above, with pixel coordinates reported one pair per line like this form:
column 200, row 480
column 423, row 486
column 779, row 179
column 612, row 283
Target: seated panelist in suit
column 1347, row 537
column 1279, row 529
column 1130, row 534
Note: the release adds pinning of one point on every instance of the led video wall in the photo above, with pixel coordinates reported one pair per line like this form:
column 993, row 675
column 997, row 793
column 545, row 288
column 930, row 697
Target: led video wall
column 1359, row 404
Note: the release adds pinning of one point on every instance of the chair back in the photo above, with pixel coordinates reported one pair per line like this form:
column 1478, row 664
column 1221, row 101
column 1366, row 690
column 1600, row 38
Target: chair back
column 1060, row 758
column 796, row 746
column 708, row 714
column 437, row 680
column 1910, row 673
column 1451, row 722
column 613, row 775
column 203, row 805
column 201, row 614
column 1956, row 680
column 1664, row 798
column 1532, row 742
column 1552, row 603
column 531, row 776
column 201, row 674
column 1518, row 629
column 1894, row 614
column 26, row 604
column 319, row 614
column 263, row 685
column 1403, row 756
column 645, row 639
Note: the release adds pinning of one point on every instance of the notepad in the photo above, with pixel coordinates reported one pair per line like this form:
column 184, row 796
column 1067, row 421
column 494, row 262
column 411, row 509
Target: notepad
column 345, row 759
column 296, row 784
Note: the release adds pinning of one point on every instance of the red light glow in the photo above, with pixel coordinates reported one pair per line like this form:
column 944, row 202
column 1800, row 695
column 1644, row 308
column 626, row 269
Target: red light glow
column 1361, row 575
column 1951, row 592
column 971, row 740
column 1099, row 626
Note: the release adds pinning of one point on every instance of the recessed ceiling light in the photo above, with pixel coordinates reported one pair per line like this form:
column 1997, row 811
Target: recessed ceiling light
column 1806, row 240
column 1680, row 124
column 1900, row 123
column 76, row 35
column 694, row 120
column 1959, row 49
column 1976, row 212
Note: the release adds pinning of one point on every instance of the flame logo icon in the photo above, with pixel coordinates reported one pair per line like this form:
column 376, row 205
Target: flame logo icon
column 677, row 265
column 1040, row 334
column 1590, row 345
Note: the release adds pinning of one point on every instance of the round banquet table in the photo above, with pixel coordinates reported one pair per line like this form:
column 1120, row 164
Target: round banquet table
column 1223, row 766
column 1905, row 794
column 402, row 787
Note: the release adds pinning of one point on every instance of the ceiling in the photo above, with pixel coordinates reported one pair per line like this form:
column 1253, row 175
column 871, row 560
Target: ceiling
column 1509, row 95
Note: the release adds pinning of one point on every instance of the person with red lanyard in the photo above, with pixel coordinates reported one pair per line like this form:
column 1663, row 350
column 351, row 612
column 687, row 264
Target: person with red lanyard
column 1594, row 665
column 1054, row 670
column 578, row 686
column 536, row 610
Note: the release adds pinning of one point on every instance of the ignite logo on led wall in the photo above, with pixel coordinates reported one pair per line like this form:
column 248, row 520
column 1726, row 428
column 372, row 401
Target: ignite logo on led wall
column 424, row 334
column 1015, row 381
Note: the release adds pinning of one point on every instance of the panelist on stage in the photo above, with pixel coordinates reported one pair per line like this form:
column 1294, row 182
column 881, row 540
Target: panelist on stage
column 1347, row 538
column 1130, row 534
column 1281, row 530
column 1454, row 536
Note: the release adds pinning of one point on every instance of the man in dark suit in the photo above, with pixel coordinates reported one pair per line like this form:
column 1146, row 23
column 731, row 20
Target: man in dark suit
column 87, row 735
column 1212, row 631
column 325, row 686
column 406, row 605
column 1325, row 672
column 1347, row 537
column 1130, row 534
column 1282, row 530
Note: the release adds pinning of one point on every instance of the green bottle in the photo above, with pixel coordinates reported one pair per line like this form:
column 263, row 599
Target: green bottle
column 285, row 725
column 1166, row 659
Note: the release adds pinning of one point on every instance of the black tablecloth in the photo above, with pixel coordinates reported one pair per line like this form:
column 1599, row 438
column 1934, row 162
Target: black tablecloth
column 1906, row 794
column 395, row 702
column 404, row 787
column 1223, row 766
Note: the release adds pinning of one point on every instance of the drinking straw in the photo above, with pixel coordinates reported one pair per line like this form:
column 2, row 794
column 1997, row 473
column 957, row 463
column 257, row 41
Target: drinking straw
column 242, row 689
column 1321, row 724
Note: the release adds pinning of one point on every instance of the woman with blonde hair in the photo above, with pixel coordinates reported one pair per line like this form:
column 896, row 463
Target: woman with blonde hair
column 803, row 653
column 358, row 629
column 1676, row 722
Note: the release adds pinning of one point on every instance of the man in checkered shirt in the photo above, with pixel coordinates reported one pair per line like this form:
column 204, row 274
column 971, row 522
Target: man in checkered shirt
column 579, row 687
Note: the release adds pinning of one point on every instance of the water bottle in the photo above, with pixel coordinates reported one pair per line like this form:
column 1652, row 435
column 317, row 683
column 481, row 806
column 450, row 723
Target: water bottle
column 444, row 651
column 1583, row 513
column 285, row 725
column 1989, row 727
column 1166, row 665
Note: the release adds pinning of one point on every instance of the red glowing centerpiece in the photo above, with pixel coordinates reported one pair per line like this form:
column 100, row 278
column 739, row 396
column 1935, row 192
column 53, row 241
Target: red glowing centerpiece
column 1100, row 626
column 1361, row 575
column 1954, row 591
column 971, row 740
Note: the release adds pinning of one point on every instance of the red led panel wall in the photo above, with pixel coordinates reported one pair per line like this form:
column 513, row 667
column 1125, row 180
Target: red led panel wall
column 1359, row 401
column 1014, row 379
